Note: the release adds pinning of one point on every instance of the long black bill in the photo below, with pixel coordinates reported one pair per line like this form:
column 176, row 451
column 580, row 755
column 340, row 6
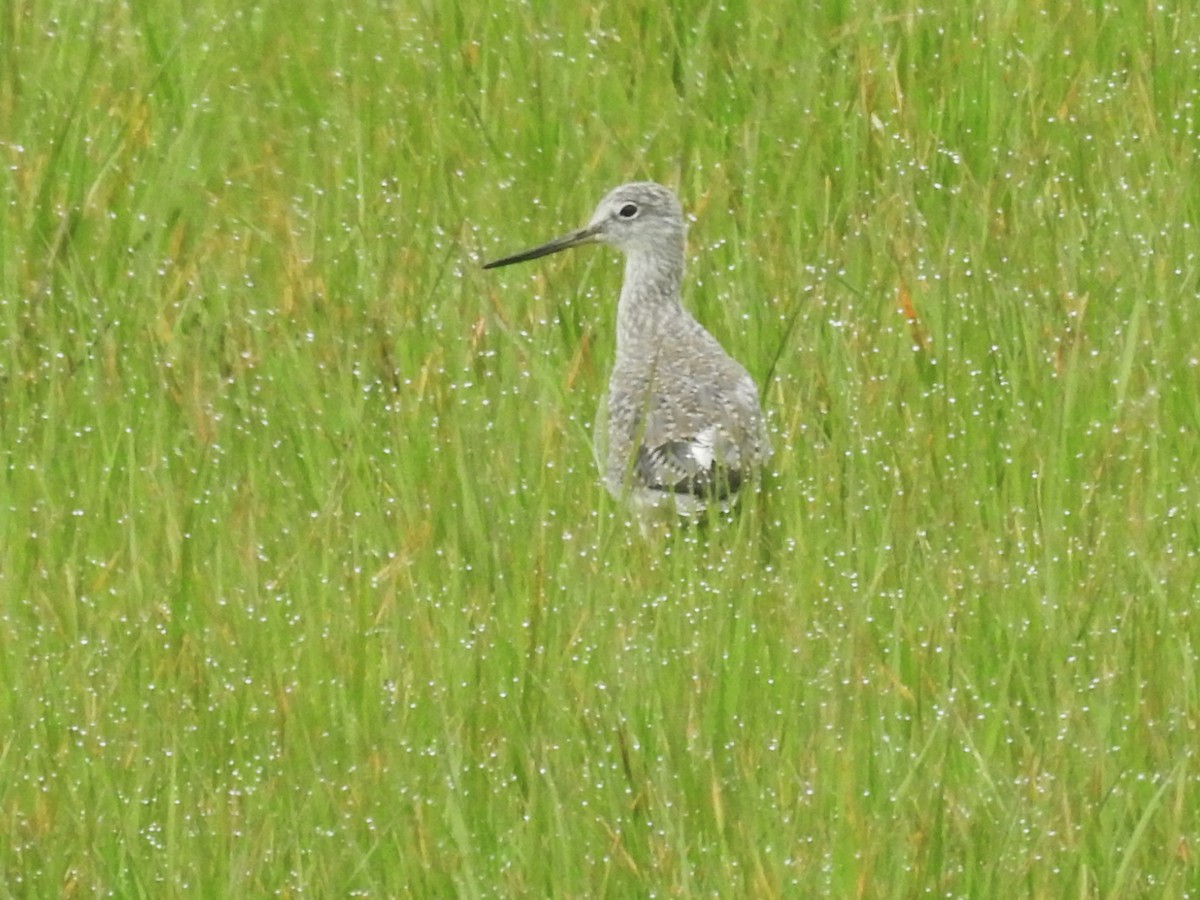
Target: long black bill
column 566, row 242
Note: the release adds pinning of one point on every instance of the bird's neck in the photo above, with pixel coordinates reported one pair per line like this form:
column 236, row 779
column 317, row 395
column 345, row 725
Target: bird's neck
column 650, row 306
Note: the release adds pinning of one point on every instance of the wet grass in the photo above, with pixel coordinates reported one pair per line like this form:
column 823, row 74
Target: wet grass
column 308, row 583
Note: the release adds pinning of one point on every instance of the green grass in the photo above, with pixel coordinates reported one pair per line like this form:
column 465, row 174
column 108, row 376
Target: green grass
column 307, row 583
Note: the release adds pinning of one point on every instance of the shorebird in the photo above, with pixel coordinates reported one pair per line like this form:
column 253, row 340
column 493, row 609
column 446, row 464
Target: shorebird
column 680, row 428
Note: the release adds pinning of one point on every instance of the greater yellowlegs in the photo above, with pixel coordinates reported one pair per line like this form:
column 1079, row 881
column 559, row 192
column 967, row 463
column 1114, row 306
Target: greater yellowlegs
column 680, row 428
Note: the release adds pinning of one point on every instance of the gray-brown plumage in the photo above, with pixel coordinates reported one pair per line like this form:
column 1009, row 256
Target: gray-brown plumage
column 680, row 427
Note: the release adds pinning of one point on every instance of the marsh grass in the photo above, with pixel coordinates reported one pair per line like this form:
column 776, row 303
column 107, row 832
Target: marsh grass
column 308, row 583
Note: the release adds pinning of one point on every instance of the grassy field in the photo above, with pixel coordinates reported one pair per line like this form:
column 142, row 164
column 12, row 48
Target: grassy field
column 307, row 582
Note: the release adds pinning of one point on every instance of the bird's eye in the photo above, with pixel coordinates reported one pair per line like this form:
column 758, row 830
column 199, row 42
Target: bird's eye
column 628, row 211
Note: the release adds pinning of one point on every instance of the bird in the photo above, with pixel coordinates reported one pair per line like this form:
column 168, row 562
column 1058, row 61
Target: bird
column 680, row 429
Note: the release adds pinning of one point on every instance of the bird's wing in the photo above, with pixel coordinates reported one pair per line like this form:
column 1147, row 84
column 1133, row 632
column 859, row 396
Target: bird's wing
column 701, row 441
column 706, row 464
column 689, row 426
